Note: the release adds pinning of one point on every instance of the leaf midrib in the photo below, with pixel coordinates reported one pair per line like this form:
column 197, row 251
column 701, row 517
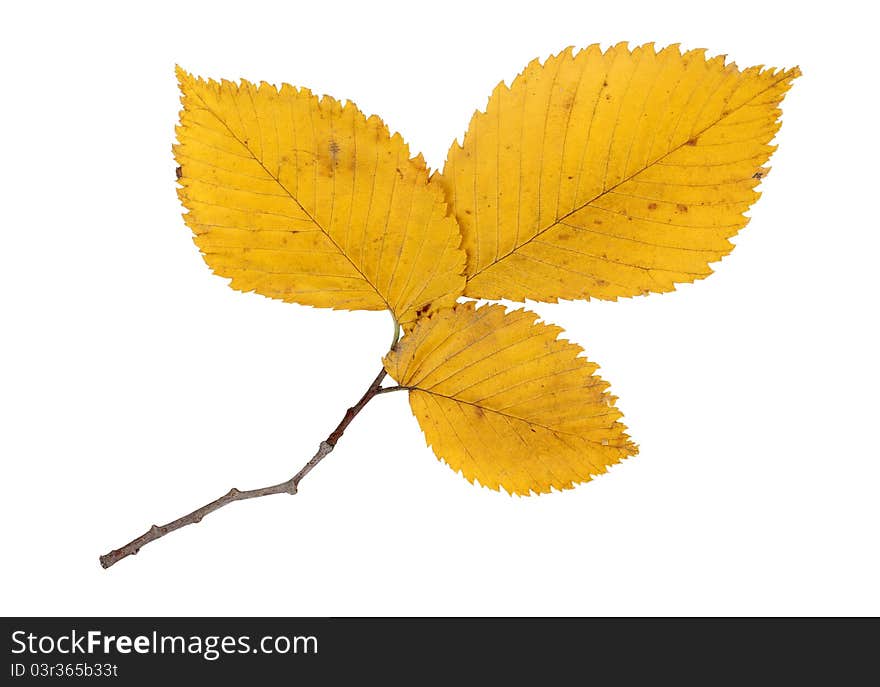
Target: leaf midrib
column 295, row 200
column 604, row 192
column 512, row 417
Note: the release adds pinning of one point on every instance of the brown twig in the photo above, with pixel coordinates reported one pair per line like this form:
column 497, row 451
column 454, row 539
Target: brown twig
column 288, row 487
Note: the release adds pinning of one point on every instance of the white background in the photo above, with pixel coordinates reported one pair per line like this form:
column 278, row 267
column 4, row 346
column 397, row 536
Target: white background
column 136, row 386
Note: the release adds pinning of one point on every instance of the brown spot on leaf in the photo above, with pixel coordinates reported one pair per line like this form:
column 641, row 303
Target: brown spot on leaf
column 681, row 208
column 178, row 172
column 652, row 206
column 597, row 221
column 334, row 149
column 329, row 158
column 605, row 84
column 758, row 175
column 692, row 142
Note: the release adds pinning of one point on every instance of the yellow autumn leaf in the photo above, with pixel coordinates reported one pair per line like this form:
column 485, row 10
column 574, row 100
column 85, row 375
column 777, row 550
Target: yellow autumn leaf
column 307, row 200
column 505, row 402
column 611, row 174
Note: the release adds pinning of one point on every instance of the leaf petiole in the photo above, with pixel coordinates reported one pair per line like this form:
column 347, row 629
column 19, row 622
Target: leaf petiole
column 396, row 332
